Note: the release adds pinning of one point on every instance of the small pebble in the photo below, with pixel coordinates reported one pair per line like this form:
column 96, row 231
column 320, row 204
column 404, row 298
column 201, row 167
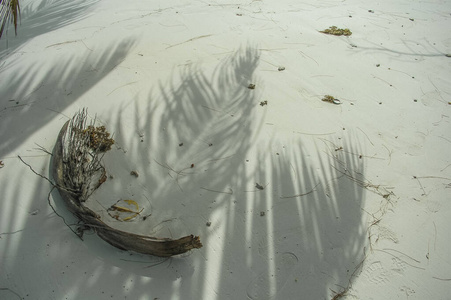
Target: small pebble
column 134, row 173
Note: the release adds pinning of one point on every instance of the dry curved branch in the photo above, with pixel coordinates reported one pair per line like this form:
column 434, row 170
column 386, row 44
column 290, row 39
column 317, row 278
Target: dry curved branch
column 75, row 194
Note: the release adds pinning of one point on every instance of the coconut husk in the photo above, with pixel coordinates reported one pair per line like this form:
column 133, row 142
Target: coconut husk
column 78, row 172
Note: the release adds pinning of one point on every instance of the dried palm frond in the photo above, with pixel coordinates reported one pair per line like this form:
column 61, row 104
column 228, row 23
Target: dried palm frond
column 9, row 12
column 78, row 172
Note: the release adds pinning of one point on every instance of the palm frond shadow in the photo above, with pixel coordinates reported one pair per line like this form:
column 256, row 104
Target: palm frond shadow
column 66, row 81
column 42, row 17
column 195, row 144
column 320, row 243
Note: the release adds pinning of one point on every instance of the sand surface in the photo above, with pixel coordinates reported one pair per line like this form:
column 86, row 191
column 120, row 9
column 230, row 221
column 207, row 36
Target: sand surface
column 292, row 197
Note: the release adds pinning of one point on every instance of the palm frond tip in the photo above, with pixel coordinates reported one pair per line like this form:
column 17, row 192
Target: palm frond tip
column 9, row 13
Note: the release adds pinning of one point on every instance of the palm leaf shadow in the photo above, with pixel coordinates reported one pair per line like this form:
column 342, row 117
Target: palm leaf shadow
column 212, row 122
column 66, row 81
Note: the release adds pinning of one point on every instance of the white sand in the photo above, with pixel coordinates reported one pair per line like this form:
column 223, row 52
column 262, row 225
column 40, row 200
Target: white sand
column 340, row 207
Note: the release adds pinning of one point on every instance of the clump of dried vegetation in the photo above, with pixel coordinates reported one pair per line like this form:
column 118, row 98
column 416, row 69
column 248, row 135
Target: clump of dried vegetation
column 99, row 138
column 331, row 99
column 334, row 30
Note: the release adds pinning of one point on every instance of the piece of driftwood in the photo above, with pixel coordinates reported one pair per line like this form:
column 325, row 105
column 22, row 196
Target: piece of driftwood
column 77, row 172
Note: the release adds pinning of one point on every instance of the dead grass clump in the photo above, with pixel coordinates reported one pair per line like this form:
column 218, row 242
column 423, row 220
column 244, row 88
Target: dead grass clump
column 334, row 30
column 99, row 138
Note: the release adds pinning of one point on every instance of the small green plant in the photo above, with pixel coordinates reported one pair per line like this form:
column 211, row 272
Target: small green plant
column 9, row 13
